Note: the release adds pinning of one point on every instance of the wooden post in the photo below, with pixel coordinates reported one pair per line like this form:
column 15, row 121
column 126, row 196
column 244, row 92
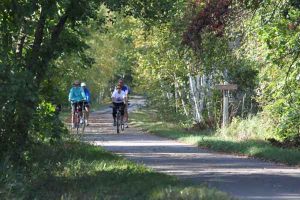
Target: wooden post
column 225, row 108
column 226, row 87
column 243, row 105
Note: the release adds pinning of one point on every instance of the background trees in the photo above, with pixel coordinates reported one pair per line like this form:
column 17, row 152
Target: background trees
column 250, row 43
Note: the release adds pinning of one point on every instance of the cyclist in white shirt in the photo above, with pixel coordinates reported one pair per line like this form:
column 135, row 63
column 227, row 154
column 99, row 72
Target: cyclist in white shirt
column 119, row 98
column 126, row 89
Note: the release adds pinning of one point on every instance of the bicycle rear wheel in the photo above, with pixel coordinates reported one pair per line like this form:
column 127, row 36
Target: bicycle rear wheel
column 122, row 126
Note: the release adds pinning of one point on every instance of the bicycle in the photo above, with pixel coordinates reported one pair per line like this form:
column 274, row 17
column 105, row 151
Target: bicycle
column 119, row 122
column 80, row 123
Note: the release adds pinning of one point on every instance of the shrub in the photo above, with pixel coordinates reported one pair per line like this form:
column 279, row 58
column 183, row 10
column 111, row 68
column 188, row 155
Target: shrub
column 46, row 125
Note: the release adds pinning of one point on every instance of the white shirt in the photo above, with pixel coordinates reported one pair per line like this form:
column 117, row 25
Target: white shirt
column 118, row 98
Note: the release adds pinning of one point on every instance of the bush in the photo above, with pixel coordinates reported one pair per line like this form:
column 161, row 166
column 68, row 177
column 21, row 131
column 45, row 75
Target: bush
column 46, row 125
column 280, row 99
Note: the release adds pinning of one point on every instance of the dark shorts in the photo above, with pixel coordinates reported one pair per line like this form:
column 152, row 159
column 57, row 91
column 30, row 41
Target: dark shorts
column 77, row 105
column 118, row 105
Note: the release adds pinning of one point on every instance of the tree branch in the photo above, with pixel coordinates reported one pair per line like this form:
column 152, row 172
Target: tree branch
column 39, row 32
column 59, row 27
column 20, row 43
column 50, row 48
column 273, row 14
column 38, row 38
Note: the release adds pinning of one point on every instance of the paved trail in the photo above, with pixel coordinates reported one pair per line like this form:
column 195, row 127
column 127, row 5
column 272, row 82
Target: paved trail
column 241, row 177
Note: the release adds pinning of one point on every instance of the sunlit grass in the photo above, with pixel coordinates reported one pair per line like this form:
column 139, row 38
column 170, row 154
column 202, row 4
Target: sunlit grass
column 180, row 193
column 255, row 127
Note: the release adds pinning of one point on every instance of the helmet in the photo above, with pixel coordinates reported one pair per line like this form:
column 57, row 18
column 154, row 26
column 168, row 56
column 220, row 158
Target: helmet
column 83, row 84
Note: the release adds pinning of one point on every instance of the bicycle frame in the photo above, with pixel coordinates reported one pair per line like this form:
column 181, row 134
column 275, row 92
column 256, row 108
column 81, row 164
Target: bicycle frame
column 79, row 114
column 118, row 120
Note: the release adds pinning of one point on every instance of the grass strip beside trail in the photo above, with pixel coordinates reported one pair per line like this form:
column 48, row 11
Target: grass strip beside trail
column 73, row 170
column 207, row 139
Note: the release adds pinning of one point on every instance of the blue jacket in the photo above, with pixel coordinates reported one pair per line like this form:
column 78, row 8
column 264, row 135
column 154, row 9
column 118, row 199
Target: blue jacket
column 76, row 94
column 87, row 95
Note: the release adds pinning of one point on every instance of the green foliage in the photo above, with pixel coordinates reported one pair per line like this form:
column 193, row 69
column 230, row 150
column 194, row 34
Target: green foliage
column 150, row 11
column 279, row 87
column 46, row 126
column 283, row 91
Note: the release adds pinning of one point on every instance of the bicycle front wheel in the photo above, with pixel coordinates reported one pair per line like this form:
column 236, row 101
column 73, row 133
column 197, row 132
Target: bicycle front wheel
column 83, row 123
column 118, row 123
column 77, row 123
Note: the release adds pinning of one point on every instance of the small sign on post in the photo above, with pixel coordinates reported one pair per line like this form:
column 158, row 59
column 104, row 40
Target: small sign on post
column 226, row 87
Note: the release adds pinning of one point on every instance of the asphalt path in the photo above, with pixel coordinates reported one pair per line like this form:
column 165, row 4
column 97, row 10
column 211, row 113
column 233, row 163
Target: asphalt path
column 242, row 177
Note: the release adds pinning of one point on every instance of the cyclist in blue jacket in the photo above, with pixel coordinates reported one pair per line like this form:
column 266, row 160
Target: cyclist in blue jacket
column 76, row 97
column 88, row 101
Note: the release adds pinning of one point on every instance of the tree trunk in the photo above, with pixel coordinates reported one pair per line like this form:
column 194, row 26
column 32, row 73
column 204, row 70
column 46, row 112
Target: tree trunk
column 201, row 94
column 181, row 96
column 37, row 67
column 21, row 40
column 32, row 58
column 176, row 90
column 194, row 96
column 209, row 102
column 59, row 28
column 6, row 37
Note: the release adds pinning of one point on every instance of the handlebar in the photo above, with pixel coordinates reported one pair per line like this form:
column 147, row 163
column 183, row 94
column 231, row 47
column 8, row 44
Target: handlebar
column 83, row 101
